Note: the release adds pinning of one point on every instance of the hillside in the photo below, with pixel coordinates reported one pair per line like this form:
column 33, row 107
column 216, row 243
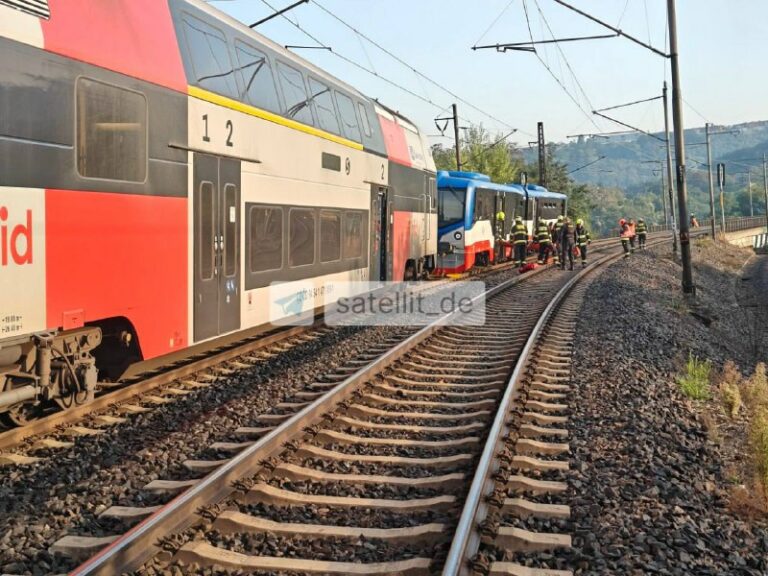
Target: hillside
column 628, row 166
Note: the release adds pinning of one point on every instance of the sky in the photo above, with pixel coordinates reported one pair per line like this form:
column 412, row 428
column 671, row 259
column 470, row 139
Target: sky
column 722, row 46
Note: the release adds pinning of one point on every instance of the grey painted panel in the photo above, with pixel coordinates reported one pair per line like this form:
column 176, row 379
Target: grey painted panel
column 37, row 125
column 407, row 188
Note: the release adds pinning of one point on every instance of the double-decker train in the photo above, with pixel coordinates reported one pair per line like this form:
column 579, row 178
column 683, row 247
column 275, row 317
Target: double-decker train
column 161, row 166
column 470, row 233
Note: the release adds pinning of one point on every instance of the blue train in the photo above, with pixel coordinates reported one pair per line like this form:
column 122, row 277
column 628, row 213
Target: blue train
column 469, row 233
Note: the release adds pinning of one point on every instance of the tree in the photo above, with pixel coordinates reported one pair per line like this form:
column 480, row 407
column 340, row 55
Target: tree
column 494, row 157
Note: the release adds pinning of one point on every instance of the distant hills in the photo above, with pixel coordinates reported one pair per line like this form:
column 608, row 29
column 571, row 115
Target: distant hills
column 625, row 155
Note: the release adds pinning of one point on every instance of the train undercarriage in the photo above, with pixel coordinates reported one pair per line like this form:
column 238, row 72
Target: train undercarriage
column 45, row 370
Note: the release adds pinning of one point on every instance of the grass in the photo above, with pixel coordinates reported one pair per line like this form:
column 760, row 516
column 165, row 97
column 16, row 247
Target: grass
column 694, row 382
column 758, row 439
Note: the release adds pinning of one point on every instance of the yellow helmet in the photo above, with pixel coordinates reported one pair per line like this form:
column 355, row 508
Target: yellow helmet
column 518, row 218
column 560, row 218
column 579, row 222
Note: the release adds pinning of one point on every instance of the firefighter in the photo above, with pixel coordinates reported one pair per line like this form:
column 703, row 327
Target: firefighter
column 520, row 237
column 632, row 235
column 566, row 244
column 544, row 240
column 694, row 222
column 500, row 218
column 556, row 237
column 624, row 234
column 642, row 233
column 583, row 239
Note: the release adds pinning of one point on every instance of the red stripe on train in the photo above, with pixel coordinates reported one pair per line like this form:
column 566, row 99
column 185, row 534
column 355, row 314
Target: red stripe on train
column 133, row 37
column 111, row 255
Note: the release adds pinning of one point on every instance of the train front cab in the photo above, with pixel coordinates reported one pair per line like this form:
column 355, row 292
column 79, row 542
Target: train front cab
column 468, row 228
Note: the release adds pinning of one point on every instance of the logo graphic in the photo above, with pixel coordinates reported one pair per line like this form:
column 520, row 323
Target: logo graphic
column 15, row 240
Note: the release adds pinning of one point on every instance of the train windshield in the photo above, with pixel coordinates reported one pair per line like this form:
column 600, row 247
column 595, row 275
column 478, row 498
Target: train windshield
column 450, row 206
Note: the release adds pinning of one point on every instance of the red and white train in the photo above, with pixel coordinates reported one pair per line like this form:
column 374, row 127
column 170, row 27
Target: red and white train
column 160, row 166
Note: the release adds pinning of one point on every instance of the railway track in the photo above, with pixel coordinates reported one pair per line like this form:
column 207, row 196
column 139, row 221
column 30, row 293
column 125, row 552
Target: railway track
column 161, row 386
column 374, row 468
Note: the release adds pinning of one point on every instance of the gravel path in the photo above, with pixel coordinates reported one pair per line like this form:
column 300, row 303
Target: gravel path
column 650, row 492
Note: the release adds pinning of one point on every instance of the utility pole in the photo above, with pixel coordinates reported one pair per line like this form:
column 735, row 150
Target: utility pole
column 669, row 169
column 663, row 193
column 711, row 182
column 721, row 183
column 677, row 117
column 749, row 180
column 542, row 157
column 765, row 189
column 456, row 136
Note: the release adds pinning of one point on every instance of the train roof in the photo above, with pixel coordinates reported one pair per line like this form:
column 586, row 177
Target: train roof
column 541, row 192
column 455, row 179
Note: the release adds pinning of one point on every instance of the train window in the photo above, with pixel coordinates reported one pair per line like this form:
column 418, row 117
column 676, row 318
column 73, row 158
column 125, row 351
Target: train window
column 450, row 206
column 348, row 117
column 209, row 52
column 330, row 235
column 485, row 201
column 207, row 230
column 353, row 235
column 295, row 94
column 265, row 238
column 302, row 237
column 257, row 80
column 111, row 132
column 320, row 94
column 230, row 230
column 364, row 117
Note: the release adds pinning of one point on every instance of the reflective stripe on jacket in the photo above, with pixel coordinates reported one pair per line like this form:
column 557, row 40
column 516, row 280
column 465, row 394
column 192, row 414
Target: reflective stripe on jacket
column 582, row 236
column 542, row 234
column 641, row 228
column 520, row 233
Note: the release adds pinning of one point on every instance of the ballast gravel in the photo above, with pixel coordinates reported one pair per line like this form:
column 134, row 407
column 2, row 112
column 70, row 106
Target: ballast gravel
column 649, row 491
column 64, row 493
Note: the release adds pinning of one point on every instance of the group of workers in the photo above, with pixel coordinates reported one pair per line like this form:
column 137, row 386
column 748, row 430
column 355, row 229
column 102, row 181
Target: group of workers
column 629, row 232
column 558, row 238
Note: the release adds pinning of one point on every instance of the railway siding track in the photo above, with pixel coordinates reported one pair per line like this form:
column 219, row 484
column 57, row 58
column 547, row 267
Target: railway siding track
column 386, row 455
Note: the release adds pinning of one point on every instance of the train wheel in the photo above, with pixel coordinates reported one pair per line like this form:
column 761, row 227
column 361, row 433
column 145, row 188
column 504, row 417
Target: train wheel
column 20, row 415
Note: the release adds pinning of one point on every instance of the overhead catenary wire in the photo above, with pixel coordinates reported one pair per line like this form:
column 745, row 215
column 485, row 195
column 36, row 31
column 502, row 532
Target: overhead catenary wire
column 410, row 67
column 354, row 63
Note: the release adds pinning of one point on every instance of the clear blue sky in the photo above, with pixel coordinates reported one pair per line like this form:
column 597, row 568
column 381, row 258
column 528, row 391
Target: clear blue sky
column 722, row 53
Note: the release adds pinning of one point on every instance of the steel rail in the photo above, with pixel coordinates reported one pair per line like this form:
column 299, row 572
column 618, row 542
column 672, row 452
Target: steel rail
column 131, row 550
column 249, row 344
column 466, row 540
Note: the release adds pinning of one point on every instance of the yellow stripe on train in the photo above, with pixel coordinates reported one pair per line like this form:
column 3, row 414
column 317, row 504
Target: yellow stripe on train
column 196, row 92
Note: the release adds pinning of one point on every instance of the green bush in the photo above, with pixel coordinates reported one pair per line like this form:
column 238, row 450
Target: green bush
column 694, row 383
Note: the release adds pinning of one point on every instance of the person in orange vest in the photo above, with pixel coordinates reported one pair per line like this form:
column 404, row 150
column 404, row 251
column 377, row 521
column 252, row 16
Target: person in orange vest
column 632, row 235
column 694, row 222
column 624, row 235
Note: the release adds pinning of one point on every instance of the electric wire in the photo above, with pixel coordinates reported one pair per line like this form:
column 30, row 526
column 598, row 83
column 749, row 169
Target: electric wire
column 410, row 67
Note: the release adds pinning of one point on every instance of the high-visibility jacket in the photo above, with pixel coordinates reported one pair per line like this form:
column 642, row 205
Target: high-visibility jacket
column 556, row 235
column 582, row 236
column 520, row 234
column 642, row 228
column 631, row 227
column 625, row 232
column 542, row 234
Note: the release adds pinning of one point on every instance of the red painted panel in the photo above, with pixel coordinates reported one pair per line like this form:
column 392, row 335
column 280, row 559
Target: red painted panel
column 394, row 139
column 134, row 37
column 401, row 238
column 119, row 255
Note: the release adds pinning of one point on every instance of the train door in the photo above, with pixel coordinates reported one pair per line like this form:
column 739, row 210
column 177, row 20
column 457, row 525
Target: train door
column 379, row 233
column 216, row 214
